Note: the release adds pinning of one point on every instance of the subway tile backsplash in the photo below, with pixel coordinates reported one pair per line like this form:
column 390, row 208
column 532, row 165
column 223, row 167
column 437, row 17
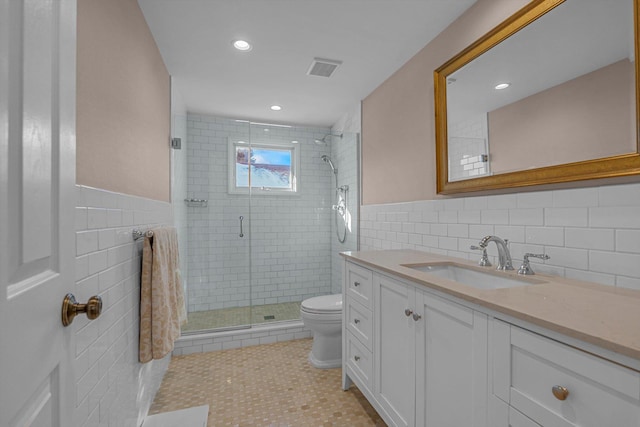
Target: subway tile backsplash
column 591, row 234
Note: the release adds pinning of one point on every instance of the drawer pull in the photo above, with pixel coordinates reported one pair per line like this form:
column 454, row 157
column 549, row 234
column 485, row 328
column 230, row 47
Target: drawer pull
column 356, row 358
column 356, row 321
column 560, row 392
column 356, row 284
column 408, row 312
column 416, row 317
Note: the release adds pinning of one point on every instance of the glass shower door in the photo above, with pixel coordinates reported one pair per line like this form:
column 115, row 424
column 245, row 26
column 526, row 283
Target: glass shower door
column 219, row 243
column 291, row 231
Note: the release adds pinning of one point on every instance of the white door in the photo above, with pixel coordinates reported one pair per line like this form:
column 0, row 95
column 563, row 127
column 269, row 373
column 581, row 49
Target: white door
column 37, row 197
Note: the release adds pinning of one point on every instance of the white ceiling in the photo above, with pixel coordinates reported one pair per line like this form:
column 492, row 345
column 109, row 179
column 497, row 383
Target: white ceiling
column 373, row 38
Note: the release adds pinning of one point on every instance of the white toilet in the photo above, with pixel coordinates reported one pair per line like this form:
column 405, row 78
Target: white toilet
column 323, row 316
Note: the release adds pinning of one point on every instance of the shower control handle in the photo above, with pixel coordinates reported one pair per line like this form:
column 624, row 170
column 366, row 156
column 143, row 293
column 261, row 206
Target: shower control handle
column 241, row 233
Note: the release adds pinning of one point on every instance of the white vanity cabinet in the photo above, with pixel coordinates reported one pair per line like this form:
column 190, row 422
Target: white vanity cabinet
column 395, row 349
column 357, row 330
column 429, row 355
column 424, row 357
column 553, row 384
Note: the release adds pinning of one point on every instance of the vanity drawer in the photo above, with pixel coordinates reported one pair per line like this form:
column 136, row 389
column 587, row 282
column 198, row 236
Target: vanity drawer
column 360, row 322
column 527, row 366
column 359, row 360
column 359, row 284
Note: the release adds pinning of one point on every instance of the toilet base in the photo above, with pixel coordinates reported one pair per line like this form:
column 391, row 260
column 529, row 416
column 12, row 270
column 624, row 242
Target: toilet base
column 326, row 350
column 324, row 364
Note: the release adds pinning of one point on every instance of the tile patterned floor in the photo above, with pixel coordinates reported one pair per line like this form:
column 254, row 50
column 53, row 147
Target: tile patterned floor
column 239, row 316
column 265, row 385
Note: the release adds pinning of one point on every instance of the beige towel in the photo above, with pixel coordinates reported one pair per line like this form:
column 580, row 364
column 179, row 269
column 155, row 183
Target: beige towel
column 162, row 308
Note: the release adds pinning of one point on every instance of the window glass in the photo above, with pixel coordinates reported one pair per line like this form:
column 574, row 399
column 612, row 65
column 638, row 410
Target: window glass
column 270, row 168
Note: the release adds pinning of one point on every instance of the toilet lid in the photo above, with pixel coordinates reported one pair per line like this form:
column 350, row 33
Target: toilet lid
column 323, row 304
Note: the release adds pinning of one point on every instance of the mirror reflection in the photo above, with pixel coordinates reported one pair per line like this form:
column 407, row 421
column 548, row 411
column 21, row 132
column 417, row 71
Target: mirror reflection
column 560, row 90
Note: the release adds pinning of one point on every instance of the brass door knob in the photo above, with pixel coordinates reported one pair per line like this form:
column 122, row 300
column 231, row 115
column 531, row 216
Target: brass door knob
column 71, row 308
column 560, row 392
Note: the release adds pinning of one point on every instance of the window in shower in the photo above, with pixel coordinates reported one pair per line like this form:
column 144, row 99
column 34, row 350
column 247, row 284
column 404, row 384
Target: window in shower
column 269, row 168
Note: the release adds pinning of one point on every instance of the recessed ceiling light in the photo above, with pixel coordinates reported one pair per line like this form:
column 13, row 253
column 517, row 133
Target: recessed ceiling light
column 242, row 45
column 276, row 107
column 502, row 86
column 294, row 142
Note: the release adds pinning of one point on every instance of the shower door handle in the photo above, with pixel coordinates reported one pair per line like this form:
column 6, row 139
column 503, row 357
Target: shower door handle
column 241, row 233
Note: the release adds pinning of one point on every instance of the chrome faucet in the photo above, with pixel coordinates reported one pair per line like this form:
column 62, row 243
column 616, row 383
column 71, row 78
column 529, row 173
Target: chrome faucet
column 504, row 256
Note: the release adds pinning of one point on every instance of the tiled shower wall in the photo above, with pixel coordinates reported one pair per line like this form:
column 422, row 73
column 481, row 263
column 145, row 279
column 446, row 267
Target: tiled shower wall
column 467, row 144
column 112, row 387
column 179, row 175
column 345, row 155
column 287, row 238
column 591, row 234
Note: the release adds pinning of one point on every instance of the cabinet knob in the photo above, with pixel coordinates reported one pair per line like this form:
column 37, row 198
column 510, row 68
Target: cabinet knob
column 560, row 392
column 408, row 312
column 356, row 284
column 416, row 317
column 356, row 358
column 356, row 321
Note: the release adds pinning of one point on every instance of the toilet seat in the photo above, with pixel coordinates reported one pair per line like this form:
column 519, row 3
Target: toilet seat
column 329, row 304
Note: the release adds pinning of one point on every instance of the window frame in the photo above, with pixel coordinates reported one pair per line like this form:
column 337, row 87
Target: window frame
column 233, row 144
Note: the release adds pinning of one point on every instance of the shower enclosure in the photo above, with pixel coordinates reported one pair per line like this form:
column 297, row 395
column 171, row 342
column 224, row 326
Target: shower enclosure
column 261, row 217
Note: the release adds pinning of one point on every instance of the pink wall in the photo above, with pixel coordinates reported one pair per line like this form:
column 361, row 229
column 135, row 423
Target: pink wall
column 398, row 118
column 123, row 102
column 548, row 128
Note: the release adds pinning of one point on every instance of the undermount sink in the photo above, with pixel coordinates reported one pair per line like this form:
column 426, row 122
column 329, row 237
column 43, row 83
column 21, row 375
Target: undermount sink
column 473, row 277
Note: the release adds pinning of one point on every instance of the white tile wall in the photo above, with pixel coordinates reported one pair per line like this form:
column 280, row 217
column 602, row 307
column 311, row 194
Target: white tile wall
column 112, row 388
column 590, row 233
column 344, row 153
column 287, row 238
column 179, row 168
column 467, row 144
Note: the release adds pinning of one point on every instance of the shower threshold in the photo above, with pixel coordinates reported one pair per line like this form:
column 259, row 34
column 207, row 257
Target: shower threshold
column 237, row 318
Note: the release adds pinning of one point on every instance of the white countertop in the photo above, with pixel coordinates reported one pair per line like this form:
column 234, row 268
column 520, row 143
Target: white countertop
column 602, row 315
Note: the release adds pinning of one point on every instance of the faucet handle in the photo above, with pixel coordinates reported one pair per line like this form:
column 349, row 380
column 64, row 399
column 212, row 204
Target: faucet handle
column 484, row 261
column 525, row 268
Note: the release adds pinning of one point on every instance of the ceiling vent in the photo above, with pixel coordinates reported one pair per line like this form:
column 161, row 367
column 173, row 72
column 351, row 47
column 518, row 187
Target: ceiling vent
column 323, row 67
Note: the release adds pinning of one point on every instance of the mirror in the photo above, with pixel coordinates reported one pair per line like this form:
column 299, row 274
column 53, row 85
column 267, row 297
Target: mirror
column 569, row 110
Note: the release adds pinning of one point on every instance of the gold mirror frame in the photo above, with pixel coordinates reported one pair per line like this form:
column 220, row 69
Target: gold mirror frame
column 607, row 167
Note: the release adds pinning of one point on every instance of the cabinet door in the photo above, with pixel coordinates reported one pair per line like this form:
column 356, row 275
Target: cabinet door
column 451, row 370
column 394, row 354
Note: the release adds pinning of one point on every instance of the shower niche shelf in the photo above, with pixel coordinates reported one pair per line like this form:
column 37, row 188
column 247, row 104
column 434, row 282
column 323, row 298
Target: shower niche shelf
column 197, row 203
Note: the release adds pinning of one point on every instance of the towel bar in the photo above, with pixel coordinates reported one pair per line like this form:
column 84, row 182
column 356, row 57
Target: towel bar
column 137, row 234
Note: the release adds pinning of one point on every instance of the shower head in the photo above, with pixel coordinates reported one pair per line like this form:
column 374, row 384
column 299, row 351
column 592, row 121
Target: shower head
column 325, row 139
column 327, row 159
